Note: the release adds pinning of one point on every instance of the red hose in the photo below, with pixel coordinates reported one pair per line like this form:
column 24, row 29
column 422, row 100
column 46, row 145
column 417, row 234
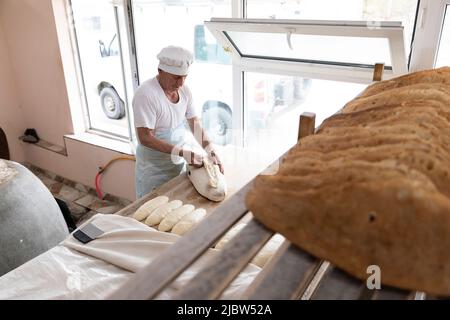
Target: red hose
column 97, row 185
column 102, row 169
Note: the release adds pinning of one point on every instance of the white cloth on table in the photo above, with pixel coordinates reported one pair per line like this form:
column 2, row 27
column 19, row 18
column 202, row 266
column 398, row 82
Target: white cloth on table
column 95, row 270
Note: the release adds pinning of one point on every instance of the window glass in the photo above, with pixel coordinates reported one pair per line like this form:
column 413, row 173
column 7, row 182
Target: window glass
column 347, row 50
column 443, row 58
column 274, row 104
column 365, row 10
column 161, row 23
column 101, row 65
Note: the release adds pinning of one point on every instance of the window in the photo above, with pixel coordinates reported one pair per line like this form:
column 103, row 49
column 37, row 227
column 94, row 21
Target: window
column 431, row 35
column 443, row 58
column 315, row 48
column 350, row 10
column 238, row 81
column 344, row 50
column 161, row 23
column 102, row 56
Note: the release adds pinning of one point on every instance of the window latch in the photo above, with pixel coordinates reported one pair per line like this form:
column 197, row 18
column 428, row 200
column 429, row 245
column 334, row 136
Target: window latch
column 288, row 38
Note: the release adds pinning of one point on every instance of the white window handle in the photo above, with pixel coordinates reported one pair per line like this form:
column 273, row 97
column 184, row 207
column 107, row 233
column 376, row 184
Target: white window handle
column 288, row 38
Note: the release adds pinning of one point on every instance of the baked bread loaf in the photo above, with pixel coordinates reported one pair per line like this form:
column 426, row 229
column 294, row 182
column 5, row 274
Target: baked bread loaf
column 400, row 224
column 372, row 186
column 407, row 94
column 434, row 76
column 415, row 112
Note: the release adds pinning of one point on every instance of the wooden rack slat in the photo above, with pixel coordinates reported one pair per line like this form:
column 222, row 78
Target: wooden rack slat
column 323, row 267
column 220, row 271
column 417, row 295
column 306, row 124
column 378, row 71
column 148, row 282
column 286, row 275
column 337, row 285
column 389, row 293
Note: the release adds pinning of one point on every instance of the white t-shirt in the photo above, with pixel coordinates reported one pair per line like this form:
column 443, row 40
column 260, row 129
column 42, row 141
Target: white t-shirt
column 152, row 109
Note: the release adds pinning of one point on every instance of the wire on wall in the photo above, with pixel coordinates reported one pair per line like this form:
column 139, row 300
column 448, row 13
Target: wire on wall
column 102, row 169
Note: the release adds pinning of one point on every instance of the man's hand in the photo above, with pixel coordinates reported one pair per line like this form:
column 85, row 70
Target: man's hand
column 192, row 158
column 215, row 159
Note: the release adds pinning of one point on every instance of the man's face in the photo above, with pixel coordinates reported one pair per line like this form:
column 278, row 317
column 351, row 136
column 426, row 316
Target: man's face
column 171, row 82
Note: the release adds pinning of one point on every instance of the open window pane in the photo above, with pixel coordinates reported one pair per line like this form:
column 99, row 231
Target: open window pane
column 443, row 58
column 320, row 49
column 161, row 23
column 364, row 10
column 99, row 48
column 349, row 49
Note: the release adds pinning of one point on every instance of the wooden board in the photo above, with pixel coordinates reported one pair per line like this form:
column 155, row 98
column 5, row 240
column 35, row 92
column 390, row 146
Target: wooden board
column 237, row 175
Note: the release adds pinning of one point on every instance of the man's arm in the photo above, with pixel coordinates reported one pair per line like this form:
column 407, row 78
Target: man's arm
column 203, row 140
column 148, row 139
column 198, row 132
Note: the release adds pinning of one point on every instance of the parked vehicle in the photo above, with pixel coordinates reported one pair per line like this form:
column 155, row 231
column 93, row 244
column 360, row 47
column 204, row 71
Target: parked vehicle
column 112, row 104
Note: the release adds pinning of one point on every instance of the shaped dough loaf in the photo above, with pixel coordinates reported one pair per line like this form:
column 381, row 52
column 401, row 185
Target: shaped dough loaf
column 208, row 181
column 229, row 235
column 160, row 213
column 147, row 208
column 174, row 216
column 268, row 250
column 188, row 221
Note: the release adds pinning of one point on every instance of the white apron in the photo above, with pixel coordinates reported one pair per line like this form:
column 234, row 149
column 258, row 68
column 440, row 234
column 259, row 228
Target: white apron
column 154, row 168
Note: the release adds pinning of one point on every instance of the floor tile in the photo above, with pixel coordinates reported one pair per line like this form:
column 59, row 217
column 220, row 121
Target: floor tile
column 86, row 200
column 69, row 193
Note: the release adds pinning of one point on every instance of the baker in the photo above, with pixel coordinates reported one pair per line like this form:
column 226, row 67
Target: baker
column 162, row 105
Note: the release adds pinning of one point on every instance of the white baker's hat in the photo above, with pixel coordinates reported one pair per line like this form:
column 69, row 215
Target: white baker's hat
column 175, row 60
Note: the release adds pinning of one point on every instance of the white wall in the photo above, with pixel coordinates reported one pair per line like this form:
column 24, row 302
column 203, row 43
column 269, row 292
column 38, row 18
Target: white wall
column 31, row 42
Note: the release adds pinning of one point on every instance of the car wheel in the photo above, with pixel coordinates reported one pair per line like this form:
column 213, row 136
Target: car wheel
column 112, row 105
column 217, row 122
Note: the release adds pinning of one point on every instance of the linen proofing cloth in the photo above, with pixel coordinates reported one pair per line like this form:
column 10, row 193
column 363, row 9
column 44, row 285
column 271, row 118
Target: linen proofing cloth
column 154, row 168
column 95, row 270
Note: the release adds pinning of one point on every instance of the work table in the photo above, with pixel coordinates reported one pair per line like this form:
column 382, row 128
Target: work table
column 241, row 166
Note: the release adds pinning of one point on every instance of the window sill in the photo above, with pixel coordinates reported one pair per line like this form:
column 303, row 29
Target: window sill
column 113, row 144
column 49, row 146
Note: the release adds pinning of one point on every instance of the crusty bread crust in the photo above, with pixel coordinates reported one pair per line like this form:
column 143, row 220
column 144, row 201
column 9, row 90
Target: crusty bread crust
column 415, row 92
column 434, row 76
column 394, row 224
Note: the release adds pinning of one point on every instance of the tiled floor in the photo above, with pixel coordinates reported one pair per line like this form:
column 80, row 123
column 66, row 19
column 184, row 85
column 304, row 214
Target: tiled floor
column 81, row 200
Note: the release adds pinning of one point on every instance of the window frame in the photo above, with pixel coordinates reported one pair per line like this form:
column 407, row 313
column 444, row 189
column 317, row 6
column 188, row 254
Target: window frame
column 428, row 31
column 122, row 23
column 393, row 31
